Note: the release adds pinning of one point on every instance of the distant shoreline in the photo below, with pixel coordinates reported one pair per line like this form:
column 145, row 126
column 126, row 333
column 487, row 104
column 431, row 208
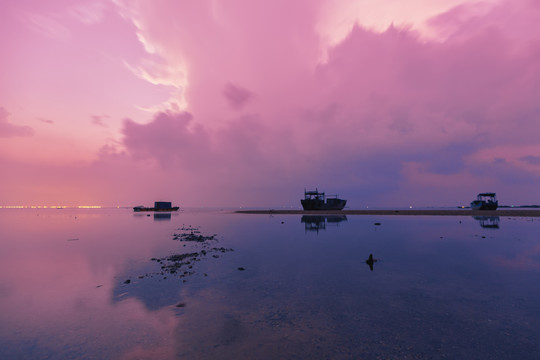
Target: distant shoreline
column 456, row 212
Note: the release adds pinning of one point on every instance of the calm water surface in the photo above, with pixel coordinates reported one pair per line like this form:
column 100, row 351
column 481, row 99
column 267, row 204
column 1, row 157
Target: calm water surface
column 100, row 284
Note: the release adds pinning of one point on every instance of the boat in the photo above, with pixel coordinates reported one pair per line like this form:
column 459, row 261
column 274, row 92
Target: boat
column 315, row 200
column 485, row 201
column 158, row 206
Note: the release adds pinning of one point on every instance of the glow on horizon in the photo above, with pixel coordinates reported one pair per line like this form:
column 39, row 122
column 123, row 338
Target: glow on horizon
column 52, row 207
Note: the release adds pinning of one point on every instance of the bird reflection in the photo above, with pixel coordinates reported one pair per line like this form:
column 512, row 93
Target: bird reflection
column 370, row 261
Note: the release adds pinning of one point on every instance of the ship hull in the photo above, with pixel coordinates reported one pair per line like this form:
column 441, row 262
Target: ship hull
column 330, row 204
column 483, row 205
column 137, row 209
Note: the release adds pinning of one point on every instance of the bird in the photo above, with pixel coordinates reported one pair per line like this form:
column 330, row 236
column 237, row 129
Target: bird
column 370, row 261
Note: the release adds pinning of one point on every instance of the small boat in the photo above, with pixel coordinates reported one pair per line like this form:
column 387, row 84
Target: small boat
column 158, row 206
column 485, row 201
column 315, row 200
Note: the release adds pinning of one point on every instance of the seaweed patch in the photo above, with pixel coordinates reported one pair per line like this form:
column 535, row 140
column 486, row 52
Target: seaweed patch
column 181, row 265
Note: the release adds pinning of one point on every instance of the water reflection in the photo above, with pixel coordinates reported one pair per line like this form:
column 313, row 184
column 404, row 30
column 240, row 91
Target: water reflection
column 154, row 294
column 162, row 216
column 444, row 293
column 489, row 222
column 318, row 222
column 157, row 282
column 157, row 216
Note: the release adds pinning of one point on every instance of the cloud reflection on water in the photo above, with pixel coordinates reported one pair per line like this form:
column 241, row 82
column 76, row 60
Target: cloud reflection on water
column 442, row 289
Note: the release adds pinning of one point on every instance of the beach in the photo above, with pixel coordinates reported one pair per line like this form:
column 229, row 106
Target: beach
column 422, row 212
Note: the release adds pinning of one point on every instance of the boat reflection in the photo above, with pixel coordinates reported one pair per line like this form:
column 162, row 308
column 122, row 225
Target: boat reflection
column 489, row 222
column 158, row 216
column 162, row 216
column 319, row 222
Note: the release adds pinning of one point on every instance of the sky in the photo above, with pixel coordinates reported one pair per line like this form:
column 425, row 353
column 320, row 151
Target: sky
column 242, row 103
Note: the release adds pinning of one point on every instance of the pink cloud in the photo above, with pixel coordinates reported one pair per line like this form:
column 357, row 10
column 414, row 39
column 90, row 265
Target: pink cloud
column 48, row 26
column 258, row 108
column 236, row 96
column 99, row 120
column 7, row 129
column 89, row 13
column 46, row 121
column 384, row 97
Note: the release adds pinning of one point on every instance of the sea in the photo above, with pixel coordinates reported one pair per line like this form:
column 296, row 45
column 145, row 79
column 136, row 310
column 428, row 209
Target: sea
column 110, row 283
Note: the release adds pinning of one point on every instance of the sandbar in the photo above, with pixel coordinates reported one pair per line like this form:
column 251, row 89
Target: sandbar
column 422, row 212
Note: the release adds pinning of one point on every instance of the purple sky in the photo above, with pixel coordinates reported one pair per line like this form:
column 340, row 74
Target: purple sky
column 244, row 103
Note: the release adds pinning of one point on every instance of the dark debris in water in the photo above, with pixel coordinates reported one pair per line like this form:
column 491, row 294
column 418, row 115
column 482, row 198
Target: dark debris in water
column 191, row 233
column 193, row 237
column 181, row 265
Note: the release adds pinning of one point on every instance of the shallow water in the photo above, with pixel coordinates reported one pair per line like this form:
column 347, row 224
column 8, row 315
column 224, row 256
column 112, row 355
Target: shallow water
column 82, row 284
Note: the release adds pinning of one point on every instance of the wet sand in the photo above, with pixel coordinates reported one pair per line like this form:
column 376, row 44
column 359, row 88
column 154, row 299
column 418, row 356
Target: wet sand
column 449, row 212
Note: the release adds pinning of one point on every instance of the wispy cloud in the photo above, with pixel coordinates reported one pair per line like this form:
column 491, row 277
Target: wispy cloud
column 8, row 129
column 46, row 121
column 236, row 96
column 48, row 26
column 99, row 120
column 89, row 13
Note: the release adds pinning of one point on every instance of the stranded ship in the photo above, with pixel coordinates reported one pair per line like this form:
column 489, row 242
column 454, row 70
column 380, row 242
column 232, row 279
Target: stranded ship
column 158, row 206
column 485, row 201
column 315, row 200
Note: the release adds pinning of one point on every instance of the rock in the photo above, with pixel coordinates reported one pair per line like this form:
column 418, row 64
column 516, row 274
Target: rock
column 370, row 261
column 127, row 281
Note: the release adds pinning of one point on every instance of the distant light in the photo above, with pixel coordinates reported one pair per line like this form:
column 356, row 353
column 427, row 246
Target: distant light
column 50, row 206
column 410, row 207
